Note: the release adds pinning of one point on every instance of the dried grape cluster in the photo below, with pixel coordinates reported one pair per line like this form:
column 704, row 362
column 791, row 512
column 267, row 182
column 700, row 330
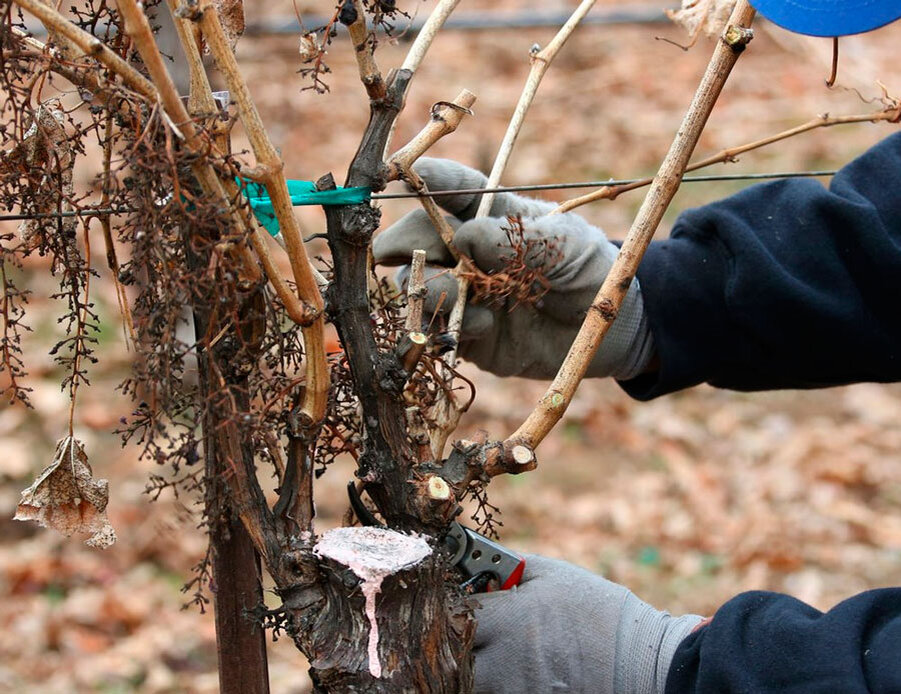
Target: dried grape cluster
column 315, row 42
column 171, row 246
column 213, row 346
column 526, row 262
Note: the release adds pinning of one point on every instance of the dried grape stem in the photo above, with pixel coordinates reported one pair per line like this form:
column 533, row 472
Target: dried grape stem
column 105, row 224
column 139, row 29
column 91, row 45
column 447, row 410
column 83, row 319
column 164, row 90
column 246, row 490
column 607, row 302
column 201, row 101
column 270, row 174
column 890, row 114
column 88, row 80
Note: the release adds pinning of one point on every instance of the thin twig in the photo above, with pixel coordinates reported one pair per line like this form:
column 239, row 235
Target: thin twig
column 436, row 216
column 890, row 114
column 91, row 45
column 447, row 412
column 76, row 381
column 111, row 258
column 427, row 34
column 444, row 120
column 830, row 81
column 540, row 63
column 363, row 51
column 604, row 308
column 421, row 46
column 416, row 292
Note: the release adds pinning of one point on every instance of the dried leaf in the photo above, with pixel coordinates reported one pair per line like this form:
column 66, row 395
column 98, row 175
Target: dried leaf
column 45, row 147
column 709, row 16
column 67, row 498
column 231, row 13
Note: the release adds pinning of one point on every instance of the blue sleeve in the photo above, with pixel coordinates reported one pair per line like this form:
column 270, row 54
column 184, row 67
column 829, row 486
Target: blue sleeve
column 783, row 285
column 766, row 643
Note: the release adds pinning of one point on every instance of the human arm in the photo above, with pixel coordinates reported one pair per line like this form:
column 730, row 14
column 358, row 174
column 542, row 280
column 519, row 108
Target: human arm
column 769, row 643
column 783, row 285
column 566, row 629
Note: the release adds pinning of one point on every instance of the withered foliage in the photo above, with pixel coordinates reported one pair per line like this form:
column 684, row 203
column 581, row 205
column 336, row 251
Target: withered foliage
column 526, row 259
column 314, row 42
column 67, row 498
column 174, row 250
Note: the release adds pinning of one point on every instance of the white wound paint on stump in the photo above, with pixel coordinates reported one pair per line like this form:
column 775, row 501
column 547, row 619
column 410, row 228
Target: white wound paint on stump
column 372, row 554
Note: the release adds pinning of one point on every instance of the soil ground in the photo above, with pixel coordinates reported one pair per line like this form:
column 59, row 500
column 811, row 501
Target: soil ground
column 687, row 499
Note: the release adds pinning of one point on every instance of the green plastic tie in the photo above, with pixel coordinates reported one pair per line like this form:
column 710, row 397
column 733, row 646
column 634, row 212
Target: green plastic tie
column 302, row 193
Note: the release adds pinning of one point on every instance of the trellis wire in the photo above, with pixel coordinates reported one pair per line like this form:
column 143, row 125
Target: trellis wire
column 87, row 212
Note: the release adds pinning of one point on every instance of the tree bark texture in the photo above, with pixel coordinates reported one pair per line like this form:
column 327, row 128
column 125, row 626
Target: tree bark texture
column 423, row 644
column 240, row 640
column 236, row 576
column 426, row 630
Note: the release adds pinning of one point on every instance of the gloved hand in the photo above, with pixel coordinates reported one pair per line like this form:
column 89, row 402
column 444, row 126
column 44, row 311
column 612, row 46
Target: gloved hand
column 519, row 340
column 564, row 629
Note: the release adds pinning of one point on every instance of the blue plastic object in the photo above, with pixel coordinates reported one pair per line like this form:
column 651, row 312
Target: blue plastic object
column 829, row 17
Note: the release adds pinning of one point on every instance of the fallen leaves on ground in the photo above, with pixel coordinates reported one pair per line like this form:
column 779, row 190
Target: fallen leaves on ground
column 688, row 499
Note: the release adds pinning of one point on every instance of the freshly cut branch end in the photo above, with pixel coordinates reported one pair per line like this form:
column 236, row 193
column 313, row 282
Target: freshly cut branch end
column 446, row 116
column 737, row 37
column 438, row 488
column 522, row 455
column 508, row 459
column 411, row 348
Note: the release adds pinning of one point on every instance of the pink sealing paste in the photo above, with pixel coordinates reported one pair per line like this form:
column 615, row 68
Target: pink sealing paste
column 372, row 554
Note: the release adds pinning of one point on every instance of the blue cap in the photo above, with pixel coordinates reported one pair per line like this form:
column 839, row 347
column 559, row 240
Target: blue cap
column 829, row 17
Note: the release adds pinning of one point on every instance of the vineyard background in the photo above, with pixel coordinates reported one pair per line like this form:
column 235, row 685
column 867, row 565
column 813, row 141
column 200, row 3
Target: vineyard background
column 687, row 499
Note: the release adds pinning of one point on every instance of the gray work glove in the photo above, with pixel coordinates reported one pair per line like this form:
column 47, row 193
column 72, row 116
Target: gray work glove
column 564, row 629
column 499, row 336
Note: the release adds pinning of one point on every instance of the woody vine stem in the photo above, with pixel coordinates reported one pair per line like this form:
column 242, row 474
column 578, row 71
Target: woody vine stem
column 604, row 308
column 363, row 401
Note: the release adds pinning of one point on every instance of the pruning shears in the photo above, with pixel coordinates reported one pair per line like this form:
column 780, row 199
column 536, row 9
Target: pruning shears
column 486, row 565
